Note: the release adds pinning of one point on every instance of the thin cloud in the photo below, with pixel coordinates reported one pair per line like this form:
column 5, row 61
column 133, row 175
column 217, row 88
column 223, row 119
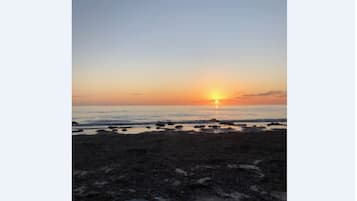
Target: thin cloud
column 268, row 93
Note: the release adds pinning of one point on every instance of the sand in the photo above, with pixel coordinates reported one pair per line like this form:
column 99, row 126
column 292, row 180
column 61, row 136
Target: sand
column 174, row 165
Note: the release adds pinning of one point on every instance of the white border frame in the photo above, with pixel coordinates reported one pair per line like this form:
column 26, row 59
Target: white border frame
column 35, row 109
column 321, row 100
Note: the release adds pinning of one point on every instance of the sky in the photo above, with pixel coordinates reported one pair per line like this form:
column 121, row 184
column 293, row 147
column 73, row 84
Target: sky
column 180, row 52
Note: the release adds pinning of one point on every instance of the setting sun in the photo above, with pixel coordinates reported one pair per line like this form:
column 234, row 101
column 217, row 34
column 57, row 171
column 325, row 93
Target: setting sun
column 217, row 95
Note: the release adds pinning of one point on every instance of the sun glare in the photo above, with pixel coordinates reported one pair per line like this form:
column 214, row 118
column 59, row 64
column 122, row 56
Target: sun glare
column 216, row 97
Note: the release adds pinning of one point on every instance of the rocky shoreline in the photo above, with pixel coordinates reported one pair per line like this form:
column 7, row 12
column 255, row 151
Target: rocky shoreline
column 175, row 166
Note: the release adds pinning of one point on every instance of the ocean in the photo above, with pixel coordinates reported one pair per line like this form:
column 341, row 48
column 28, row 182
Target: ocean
column 91, row 118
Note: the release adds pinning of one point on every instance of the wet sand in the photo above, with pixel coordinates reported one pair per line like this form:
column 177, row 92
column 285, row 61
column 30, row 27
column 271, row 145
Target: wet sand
column 175, row 166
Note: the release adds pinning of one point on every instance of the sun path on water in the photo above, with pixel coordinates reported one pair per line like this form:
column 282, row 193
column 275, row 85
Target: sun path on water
column 216, row 103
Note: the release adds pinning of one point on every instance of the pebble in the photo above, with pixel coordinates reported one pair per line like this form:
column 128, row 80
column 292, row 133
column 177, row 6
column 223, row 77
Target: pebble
column 203, row 180
column 106, row 169
column 279, row 195
column 249, row 167
column 132, row 190
column 79, row 190
column 160, row 199
column 100, row 183
column 254, row 168
column 256, row 162
column 176, row 183
column 80, row 173
column 181, row 172
column 232, row 166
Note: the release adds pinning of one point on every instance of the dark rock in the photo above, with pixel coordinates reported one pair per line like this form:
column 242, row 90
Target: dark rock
column 253, row 129
column 226, row 123
column 105, row 132
column 214, row 126
column 160, row 124
column 74, row 123
column 179, row 126
column 274, row 124
column 77, row 131
column 279, row 129
column 125, row 127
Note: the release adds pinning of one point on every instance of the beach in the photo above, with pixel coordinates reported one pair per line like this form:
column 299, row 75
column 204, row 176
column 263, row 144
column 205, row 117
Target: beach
column 180, row 165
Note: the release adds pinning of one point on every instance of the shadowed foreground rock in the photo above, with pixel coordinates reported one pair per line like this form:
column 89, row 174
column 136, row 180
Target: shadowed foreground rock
column 175, row 166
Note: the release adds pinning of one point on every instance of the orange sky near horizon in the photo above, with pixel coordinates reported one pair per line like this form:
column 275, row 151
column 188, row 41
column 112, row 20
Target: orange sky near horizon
column 202, row 89
column 118, row 100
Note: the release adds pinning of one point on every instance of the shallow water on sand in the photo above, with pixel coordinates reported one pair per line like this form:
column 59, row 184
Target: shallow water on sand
column 92, row 118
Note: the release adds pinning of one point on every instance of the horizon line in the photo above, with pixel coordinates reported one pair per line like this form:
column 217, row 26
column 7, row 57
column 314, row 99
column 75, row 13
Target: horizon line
column 213, row 105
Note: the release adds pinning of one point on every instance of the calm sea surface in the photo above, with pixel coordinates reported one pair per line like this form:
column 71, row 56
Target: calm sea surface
column 137, row 116
column 97, row 115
